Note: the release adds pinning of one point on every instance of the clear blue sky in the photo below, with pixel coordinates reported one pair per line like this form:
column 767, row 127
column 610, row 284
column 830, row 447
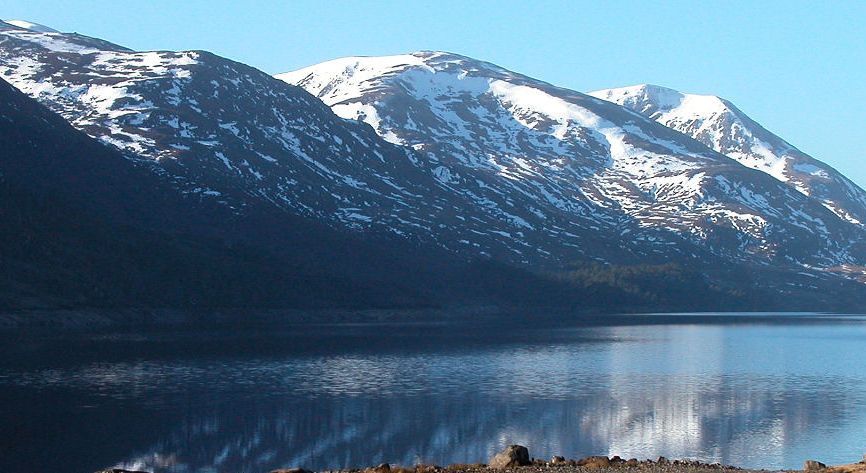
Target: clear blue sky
column 798, row 68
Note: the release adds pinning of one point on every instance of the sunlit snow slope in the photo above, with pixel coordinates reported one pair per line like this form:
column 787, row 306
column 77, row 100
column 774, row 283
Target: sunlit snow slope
column 542, row 154
column 31, row 26
column 723, row 127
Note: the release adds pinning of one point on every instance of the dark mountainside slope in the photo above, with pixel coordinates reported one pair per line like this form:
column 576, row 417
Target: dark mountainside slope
column 83, row 226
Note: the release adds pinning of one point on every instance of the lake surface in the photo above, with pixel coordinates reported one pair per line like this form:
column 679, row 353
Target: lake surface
column 752, row 390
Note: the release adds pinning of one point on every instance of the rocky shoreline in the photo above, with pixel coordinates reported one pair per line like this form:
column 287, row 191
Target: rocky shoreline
column 516, row 458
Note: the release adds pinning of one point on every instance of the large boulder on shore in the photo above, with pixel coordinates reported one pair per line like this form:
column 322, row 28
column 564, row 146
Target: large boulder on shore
column 513, row 455
column 812, row 465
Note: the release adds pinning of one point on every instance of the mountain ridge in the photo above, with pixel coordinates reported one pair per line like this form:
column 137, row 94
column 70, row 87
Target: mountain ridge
column 27, row 25
column 475, row 108
column 440, row 152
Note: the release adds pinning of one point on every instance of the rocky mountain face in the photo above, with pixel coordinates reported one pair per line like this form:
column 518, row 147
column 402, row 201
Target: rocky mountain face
column 563, row 164
column 415, row 165
column 723, row 127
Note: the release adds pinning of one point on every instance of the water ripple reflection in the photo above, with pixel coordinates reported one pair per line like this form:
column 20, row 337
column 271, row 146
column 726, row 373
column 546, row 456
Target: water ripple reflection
column 755, row 394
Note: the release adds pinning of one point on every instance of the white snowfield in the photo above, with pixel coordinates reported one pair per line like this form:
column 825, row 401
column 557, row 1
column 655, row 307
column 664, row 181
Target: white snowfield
column 723, row 127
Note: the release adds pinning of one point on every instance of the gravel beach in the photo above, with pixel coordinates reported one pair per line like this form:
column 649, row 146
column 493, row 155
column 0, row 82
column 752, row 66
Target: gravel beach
column 516, row 459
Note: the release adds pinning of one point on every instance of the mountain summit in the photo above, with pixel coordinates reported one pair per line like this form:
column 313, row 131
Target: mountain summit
column 23, row 24
column 723, row 127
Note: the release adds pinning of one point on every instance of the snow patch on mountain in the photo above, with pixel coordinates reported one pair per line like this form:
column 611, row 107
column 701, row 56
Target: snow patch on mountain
column 27, row 25
column 55, row 42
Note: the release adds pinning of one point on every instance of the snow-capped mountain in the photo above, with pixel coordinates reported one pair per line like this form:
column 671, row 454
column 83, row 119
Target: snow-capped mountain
column 84, row 226
column 431, row 147
column 225, row 131
column 720, row 125
column 498, row 136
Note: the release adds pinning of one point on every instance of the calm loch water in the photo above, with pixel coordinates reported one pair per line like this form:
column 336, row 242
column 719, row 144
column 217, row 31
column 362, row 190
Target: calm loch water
column 752, row 390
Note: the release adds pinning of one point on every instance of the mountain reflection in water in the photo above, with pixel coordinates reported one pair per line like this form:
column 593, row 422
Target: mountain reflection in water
column 763, row 393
